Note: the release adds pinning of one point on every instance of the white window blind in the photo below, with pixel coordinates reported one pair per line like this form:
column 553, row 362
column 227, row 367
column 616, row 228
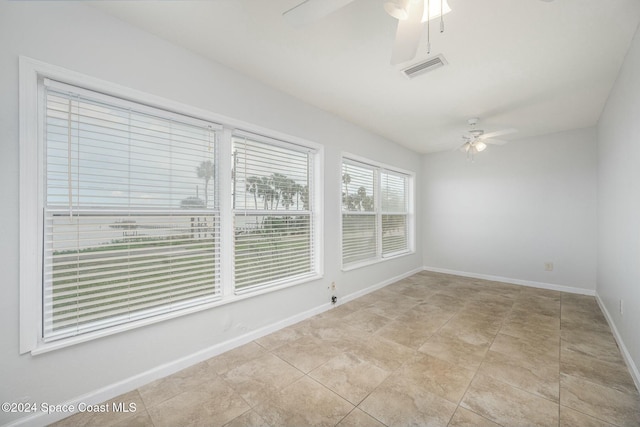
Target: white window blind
column 359, row 219
column 131, row 212
column 375, row 213
column 394, row 188
column 273, row 212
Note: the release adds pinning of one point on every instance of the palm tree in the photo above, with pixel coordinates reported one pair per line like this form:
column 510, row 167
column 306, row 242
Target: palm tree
column 266, row 191
column 253, row 187
column 346, row 180
column 206, row 171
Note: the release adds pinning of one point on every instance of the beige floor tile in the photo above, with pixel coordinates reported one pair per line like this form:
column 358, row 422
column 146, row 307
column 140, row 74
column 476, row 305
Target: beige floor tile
column 584, row 318
column 469, row 332
column 476, row 319
column 465, row 418
column 607, row 374
column 414, row 327
column 489, row 304
column 350, row 377
column 584, row 311
column 507, row 405
column 525, row 324
column 445, row 302
column 236, row 357
column 366, row 320
column 307, row 353
column 600, row 345
column 607, row 404
column 400, row 402
column 381, row 352
column 279, row 338
column 437, row 376
column 248, row 419
column 258, row 379
column 172, row 385
column 539, row 305
column 548, row 293
column 571, row 418
column 330, row 331
column 339, row 311
column 455, row 350
column 417, row 291
column 536, row 350
column 411, row 336
column 424, row 316
column 211, row 403
column 393, row 308
column 584, row 324
column 358, row 418
column 541, row 379
column 304, row 403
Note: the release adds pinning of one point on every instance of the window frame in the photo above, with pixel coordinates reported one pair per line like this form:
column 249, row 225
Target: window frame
column 311, row 212
column 31, row 187
column 87, row 118
column 380, row 168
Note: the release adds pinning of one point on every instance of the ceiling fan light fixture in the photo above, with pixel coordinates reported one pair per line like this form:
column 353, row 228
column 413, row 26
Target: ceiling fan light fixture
column 436, row 10
column 397, row 9
column 480, row 146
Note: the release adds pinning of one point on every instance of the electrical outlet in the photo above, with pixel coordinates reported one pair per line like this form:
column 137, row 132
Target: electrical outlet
column 621, row 308
column 333, row 286
column 548, row 266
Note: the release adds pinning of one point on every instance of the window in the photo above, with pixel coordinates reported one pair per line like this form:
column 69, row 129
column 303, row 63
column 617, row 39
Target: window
column 375, row 213
column 136, row 209
column 273, row 211
column 130, row 212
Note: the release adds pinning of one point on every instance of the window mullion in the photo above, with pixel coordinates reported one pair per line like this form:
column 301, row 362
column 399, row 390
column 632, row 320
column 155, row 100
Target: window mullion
column 378, row 208
column 226, row 213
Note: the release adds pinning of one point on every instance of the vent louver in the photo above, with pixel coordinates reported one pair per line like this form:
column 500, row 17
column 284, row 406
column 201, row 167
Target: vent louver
column 425, row 66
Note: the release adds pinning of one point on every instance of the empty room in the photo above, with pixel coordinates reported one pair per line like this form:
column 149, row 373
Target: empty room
column 320, row 213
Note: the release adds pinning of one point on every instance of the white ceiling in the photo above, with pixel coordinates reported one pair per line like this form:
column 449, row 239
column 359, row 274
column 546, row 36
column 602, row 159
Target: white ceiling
column 537, row 66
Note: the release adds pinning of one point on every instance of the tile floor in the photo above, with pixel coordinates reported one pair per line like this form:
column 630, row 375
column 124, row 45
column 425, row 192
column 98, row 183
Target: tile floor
column 429, row 350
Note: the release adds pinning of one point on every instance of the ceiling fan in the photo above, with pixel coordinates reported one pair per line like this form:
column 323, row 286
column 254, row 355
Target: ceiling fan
column 412, row 16
column 476, row 140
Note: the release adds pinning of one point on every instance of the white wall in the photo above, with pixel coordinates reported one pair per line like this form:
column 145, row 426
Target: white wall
column 619, row 204
column 516, row 207
column 77, row 37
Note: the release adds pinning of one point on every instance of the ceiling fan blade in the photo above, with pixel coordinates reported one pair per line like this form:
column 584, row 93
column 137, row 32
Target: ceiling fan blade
column 498, row 133
column 494, row 141
column 310, row 11
column 408, row 34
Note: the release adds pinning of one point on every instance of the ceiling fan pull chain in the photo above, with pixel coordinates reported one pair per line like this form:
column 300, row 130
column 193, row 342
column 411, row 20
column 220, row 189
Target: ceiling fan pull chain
column 442, row 16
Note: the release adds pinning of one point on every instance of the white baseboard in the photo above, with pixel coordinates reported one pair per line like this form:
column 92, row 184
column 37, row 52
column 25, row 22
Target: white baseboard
column 512, row 281
column 633, row 369
column 113, row 390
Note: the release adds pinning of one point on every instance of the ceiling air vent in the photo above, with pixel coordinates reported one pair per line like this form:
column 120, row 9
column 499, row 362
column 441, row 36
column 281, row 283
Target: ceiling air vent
column 425, row 66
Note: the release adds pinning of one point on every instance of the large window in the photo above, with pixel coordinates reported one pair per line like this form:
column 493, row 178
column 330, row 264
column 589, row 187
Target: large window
column 376, row 213
column 136, row 209
column 131, row 222
column 273, row 211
